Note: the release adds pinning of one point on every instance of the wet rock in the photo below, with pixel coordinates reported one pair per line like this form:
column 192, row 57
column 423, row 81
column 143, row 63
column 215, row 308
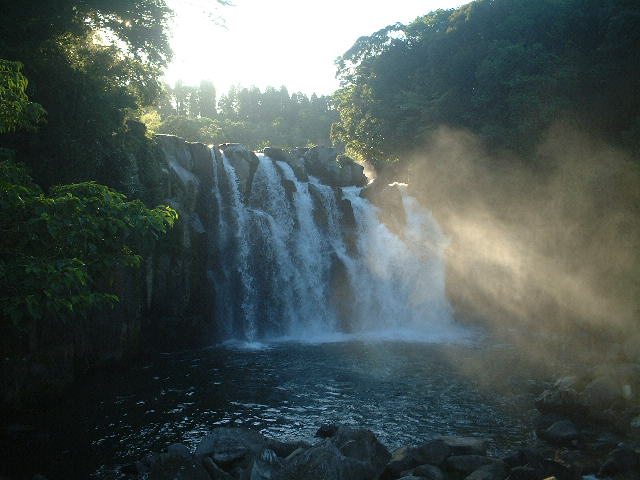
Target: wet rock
column 277, row 154
column 622, row 459
column 561, row 401
column 284, row 449
column 324, row 164
column 265, row 466
column 177, row 468
column 524, row 473
column 325, row 462
column 244, row 162
column 561, row 432
column 362, row 444
column 466, row 445
column 600, row 393
column 543, row 422
column 402, row 459
column 433, row 452
column 492, row 471
column 226, row 445
column 466, row 464
column 178, row 450
column 215, row 472
column 430, row 472
column 327, row 430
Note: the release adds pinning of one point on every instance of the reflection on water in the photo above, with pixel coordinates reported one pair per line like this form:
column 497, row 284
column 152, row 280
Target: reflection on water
column 404, row 392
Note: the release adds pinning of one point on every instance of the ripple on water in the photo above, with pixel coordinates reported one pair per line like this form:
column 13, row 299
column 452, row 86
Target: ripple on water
column 404, row 391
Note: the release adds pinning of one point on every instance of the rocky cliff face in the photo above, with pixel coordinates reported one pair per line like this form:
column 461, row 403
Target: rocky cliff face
column 169, row 302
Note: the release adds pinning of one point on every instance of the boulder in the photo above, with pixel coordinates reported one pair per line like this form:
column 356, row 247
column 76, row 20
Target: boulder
column 622, row 459
column 388, row 199
column 564, row 401
column 491, row 471
column 402, row 459
column 265, row 466
column 215, row 472
column 226, row 445
column 361, row 444
column 178, row 468
column 244, row 162
column 561, row 432
column 524, row 473
column 324, row 164
column 430, row 472
column 324, row 462
column 433, row 452
column 179, row 450
column 327, row 430
column 277, row 154
column 284, row 449
column 466, row 445
column 466, row 464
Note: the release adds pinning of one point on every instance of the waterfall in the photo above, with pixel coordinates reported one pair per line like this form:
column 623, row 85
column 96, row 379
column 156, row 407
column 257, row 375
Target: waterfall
column 299, row 259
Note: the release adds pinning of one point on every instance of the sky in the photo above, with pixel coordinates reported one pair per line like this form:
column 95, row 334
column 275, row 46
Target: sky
column 278, row 42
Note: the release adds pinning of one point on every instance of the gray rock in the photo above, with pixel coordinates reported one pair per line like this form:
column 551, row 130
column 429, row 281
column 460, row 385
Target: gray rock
column 565, row 402
column 325, row 462
column 284, row 449
column 179, row 450
column 466, row 464
column 362, row 444
column 622, row 459
column 402, row 459
column 430, row 472
column 466, row 445
column 178, row 468
column 244, row 162
column 327, row 430
column 492, row 471
column 215, row 472
column 524, row 473
column 433, row 452
column 277, row 154
column 324, row 163
column 561, row 432
column 225, row 445
column 265, row 466
column 601, row 392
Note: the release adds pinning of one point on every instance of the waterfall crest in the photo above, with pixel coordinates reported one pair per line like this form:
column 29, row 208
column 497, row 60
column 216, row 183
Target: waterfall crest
column 296, row 258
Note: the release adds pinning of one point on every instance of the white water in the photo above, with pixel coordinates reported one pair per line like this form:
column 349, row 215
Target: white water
column 295, row 264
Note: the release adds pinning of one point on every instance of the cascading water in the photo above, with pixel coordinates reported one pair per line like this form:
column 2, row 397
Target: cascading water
column 307, row 261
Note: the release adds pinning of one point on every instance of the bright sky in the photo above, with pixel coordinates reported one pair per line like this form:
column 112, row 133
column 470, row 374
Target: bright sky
column 278, row 42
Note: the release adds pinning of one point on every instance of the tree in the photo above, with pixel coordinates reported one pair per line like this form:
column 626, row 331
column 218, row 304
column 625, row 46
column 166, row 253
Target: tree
column 16, row 111
column 207, row 99
column 55, row 248
column 504, row 69
column 89, row 64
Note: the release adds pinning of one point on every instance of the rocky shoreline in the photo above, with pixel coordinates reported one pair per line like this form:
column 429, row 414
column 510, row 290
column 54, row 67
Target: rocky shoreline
column 587, row 427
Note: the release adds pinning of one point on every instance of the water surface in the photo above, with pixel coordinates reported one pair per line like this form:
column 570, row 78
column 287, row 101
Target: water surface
column 405, row 392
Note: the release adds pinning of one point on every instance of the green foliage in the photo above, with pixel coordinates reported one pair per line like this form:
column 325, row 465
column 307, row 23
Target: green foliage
column 16, row 111
column 57, row 251
column 90, row 63
column 504, row 69
column 244, row 115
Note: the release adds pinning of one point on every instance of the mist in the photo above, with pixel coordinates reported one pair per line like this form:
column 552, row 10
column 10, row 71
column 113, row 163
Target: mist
column 542, row 253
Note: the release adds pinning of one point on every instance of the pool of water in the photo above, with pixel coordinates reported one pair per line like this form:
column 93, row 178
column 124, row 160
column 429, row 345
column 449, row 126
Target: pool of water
column 404, row 391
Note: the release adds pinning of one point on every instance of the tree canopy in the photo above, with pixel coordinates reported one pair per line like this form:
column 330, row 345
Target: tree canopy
column 89, row 63
column 244, row 115
column 504, row 69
